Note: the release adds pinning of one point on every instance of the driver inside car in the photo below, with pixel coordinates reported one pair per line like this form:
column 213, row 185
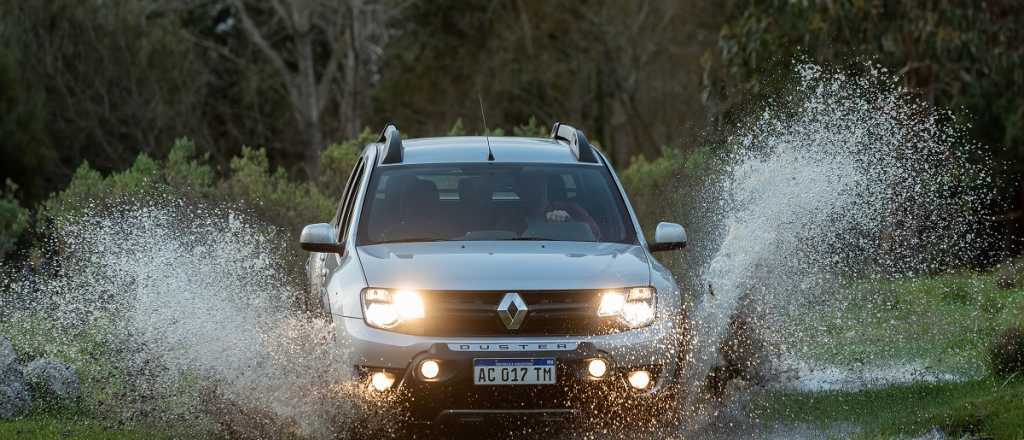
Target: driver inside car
column 544, row 198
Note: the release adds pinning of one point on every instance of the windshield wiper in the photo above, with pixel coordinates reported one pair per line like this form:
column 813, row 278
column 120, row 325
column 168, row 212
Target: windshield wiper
column 527, row 239
column 411, row 240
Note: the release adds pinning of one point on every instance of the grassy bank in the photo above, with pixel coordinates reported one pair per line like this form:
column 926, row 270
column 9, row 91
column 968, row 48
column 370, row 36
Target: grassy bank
column 119, row 399
column 53, row 426
column 986, row 408
column 940, row 324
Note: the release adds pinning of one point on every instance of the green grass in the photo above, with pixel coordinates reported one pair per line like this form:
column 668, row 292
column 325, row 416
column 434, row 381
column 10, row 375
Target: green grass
column 47, row 427
column 942, row 323
column 107, row 395
column 985, row 408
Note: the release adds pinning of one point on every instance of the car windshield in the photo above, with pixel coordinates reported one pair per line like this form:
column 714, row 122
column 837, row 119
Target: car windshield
column 413, row 203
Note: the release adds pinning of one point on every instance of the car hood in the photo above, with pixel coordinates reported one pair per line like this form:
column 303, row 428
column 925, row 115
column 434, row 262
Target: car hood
column 488, row 265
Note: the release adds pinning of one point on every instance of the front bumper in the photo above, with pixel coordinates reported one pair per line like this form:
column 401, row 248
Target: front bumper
column 454, row 396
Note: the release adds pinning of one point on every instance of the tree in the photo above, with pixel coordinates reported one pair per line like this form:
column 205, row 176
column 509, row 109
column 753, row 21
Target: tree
column 321, row 49
column 964, row 57
column 628, row 73
column 24, row 143
column 96, row 80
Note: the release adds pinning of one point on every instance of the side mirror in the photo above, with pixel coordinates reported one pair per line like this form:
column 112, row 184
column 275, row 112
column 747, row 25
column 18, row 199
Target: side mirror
column 320, row 237
column 668, row 237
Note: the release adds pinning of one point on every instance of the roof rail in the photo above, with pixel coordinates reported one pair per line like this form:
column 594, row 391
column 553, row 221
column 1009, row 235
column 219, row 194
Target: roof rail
column 577, row 142
column 391, row 139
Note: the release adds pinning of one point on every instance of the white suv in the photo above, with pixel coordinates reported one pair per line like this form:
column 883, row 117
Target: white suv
column 497, row 276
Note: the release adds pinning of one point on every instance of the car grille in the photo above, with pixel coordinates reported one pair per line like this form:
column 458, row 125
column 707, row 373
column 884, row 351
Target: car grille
column 474, row 313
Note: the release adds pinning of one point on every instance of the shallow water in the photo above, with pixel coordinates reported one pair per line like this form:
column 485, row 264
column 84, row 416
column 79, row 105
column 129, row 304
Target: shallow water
column 812, row 377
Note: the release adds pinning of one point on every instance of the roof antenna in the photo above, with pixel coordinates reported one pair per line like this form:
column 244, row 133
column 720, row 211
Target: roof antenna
column 490, row 154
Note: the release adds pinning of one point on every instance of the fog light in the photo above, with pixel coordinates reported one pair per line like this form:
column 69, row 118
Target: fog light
column 429, row 369
column 597, row 367
column 639, row 379
column 382, row 381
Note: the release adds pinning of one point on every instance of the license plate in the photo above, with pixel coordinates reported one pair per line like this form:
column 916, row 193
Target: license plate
column 514, row 371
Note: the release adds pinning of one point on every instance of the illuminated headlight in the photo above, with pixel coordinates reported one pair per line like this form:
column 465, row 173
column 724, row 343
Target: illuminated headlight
column 382, row 381
column 639, row 379
column 633, row 306
column 384, row 308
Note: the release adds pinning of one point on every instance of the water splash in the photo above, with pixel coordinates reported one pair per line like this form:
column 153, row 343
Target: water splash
column 842, row 177
column 196, row 320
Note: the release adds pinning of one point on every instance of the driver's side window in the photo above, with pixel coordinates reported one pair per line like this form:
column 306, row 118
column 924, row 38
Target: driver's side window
column 343, row 214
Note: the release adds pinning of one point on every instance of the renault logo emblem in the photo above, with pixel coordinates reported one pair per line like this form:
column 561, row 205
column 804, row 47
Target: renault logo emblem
column 512, row 310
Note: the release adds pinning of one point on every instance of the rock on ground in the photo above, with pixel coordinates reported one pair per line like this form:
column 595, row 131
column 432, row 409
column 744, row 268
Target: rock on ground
column 53, row 380
column 14, row 396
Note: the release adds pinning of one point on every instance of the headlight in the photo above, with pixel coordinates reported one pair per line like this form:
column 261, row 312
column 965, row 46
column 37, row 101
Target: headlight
column 634, row 306
column 384, row 308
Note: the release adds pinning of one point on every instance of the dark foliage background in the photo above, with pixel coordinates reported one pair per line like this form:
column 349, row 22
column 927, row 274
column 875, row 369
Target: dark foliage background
column 266, row 103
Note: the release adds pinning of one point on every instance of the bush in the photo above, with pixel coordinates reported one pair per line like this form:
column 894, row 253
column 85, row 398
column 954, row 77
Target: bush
column 89, row 187
column 13, row 219
column 187, row 174
column 532, row 128
column 649, row 184
column 665, row 189
column 186, row 170
column 1006, row 354
column 275, row 198
column 337, row 161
